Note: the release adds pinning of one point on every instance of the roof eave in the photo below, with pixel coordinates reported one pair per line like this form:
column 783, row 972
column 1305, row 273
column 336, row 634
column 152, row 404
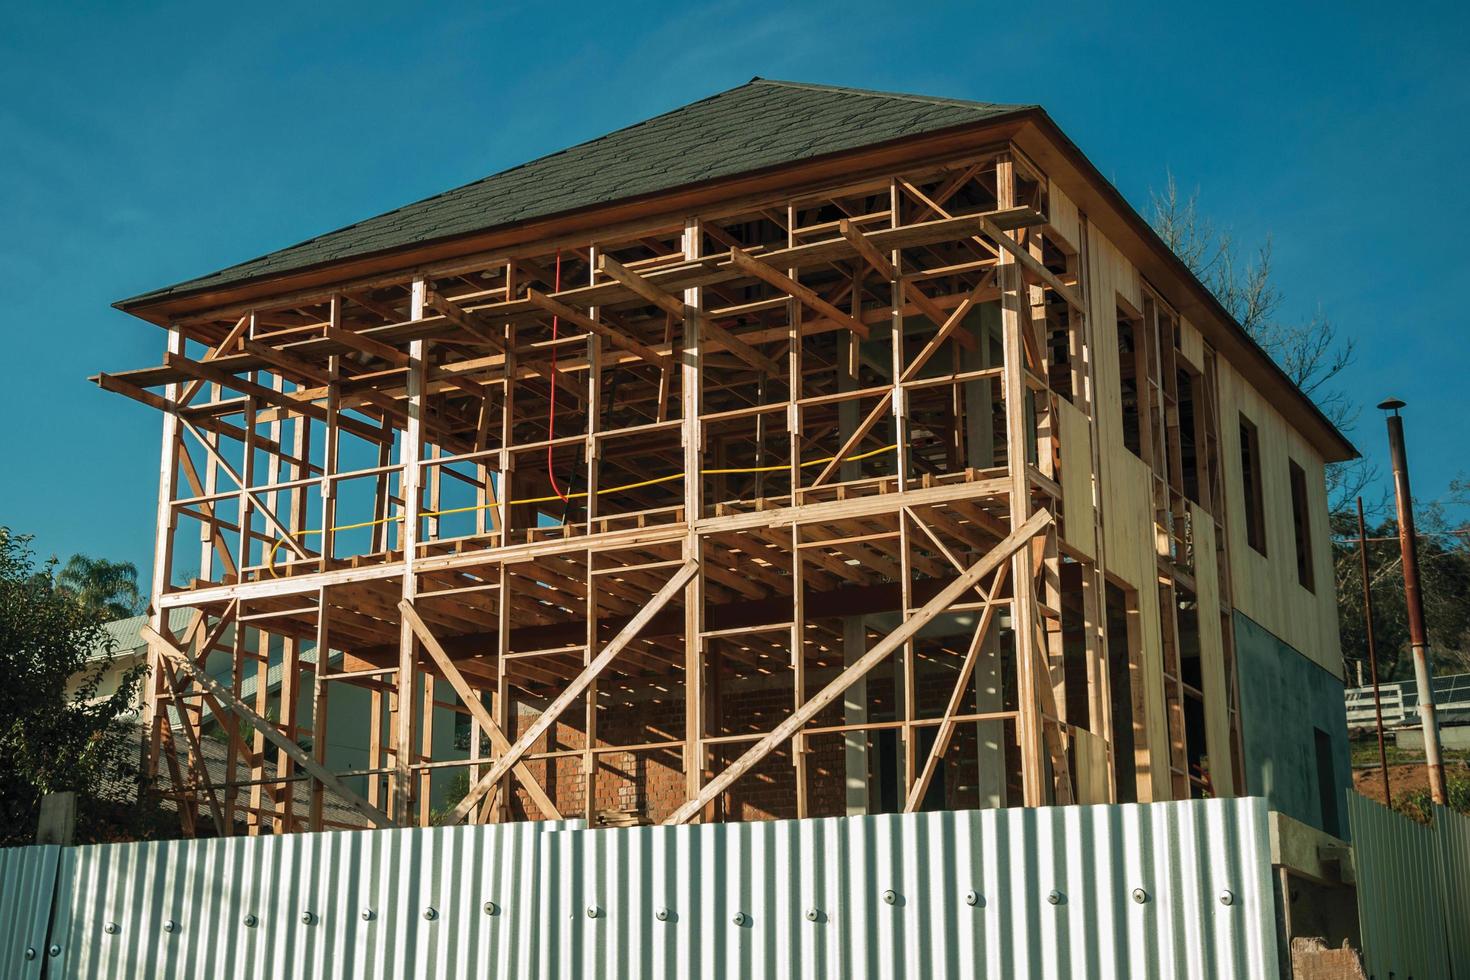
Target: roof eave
column 1334, row 446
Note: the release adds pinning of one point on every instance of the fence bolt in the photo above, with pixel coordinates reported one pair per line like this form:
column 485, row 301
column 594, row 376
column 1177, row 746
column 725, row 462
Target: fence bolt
column 308, row 917
column 30, row 952
column 251, row 921
column 490, row 908
column 811, row 915
column 972, row 898
column 1054, row 897
column 1227, row 897
column 368, row 914
column 170, row 926
column 890, row 896
column 1140, row 896
column 740, row 919
column 662, row 914
column 111, row 929
column 431, row 913
column 593, row 911
column 53, row 950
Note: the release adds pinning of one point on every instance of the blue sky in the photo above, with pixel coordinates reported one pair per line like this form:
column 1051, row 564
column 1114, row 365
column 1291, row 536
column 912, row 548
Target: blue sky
column 145, row 143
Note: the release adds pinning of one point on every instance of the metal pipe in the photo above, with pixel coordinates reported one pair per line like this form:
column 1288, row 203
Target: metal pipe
column 1414, row 599
column 1372, row 651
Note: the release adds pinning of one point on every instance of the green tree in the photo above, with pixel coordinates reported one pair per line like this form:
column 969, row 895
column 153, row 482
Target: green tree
column 56, row 733
column 109, row 588
column 1444, row 579
column 1314, row 354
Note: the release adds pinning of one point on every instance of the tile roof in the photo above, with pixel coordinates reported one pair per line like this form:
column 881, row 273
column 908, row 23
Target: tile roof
column 760, row 124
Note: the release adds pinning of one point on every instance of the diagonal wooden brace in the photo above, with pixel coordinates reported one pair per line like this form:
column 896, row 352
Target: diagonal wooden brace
column 471, row 701
column 272, row 734
column 1002, row 552
column 574, row 690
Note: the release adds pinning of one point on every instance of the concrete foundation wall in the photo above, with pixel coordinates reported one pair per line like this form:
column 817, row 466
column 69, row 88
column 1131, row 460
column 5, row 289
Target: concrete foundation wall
column 1285, row 699
column 1450, row 737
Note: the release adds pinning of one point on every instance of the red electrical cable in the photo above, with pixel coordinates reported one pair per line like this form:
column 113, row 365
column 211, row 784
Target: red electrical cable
column 551, row 414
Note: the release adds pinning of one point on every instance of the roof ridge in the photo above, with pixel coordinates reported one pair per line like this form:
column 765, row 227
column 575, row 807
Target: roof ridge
column 901, row 96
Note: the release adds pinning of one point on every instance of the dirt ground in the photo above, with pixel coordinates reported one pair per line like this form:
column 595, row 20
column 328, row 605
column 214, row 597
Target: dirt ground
column 1403, row 779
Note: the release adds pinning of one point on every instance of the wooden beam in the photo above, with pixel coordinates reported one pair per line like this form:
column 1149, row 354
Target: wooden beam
column 613, row 336
column 802, row 294
column 281, row 359
column 265, row 511
column 220, row 545
column 1031, row 265
column 574, row 689
column 1013, row 542
column 867, row 250
column 293, row 403
column 367, row 345
column 388, row 313
column 471, row 700
column 465, row 320
column 475, row 326
column 671, row 304
column 946, row 329
column 294, row 751
column 858, row 435
column 240, row 329
column 933, row 310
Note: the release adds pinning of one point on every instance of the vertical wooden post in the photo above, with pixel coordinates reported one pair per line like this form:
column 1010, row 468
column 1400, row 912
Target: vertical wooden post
column 692, row 357
column 1023, row 608
column 498, row 799
column 168, row 467
column 409, row 455
column 594, row 413
column 319, row 706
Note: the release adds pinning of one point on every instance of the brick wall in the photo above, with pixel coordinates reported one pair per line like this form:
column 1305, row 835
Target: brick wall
column 648, row 785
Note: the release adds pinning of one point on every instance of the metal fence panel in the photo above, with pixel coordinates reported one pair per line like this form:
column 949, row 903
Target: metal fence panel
column 1413, row 891
column 393, row 903
column 1161, row 890
column 1453, row 830
column 1044, row 892
column 27, row 882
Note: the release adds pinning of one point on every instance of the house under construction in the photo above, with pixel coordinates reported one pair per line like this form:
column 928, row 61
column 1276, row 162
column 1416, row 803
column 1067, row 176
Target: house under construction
column 803, row 451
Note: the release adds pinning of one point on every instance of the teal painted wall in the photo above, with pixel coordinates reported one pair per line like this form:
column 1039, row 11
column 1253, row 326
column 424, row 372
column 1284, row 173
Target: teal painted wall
column 1284, row 699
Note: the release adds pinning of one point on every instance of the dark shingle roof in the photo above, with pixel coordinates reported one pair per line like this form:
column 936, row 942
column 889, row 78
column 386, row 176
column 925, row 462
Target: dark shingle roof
column 760, row 124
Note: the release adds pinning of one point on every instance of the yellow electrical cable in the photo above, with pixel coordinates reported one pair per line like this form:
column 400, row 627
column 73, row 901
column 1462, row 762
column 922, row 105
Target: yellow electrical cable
column 732, row 471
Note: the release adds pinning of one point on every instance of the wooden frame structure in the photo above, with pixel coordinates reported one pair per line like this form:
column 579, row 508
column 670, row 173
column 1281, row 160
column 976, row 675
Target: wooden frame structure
column 791, row 506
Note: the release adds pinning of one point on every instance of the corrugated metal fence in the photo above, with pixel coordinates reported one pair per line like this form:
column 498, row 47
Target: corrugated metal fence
column 1167, row 890
column 1161, row 890
column 27, row 883
column 1413, row 891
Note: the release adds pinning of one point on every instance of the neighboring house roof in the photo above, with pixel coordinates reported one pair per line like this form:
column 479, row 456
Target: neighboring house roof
column 759, row 124
column 127, row 634
column 128, row 638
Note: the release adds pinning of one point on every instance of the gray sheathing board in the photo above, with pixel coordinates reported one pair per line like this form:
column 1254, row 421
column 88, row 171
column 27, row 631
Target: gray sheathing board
column 1283, row 698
